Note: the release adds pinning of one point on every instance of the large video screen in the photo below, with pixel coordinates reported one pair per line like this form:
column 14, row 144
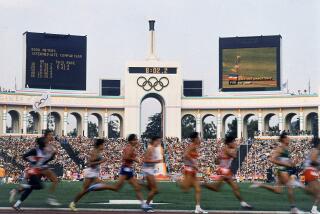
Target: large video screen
column 55, row 61
column 249, row 63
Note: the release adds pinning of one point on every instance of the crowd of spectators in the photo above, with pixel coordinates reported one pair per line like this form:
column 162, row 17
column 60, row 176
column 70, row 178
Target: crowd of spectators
column 254, row 166
column 278, row 132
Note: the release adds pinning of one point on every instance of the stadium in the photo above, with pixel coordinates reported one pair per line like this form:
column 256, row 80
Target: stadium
column 155, row 129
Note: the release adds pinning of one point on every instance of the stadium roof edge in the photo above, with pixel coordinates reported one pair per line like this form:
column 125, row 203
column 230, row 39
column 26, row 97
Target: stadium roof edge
column 251, row 97
column 64, row 95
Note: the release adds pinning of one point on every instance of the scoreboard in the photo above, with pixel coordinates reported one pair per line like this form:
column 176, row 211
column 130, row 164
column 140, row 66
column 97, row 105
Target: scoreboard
column 55, row 61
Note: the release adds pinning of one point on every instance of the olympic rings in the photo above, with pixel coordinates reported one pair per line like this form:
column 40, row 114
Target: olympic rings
column 152, row 83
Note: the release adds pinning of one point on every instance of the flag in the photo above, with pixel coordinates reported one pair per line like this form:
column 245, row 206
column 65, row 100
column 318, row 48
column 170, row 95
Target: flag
column 284, row 84
column 43, row 101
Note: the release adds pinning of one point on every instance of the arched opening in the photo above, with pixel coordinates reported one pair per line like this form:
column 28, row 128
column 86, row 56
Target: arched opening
column 209, row 126
column 312, row 123
column 271, row 124
column 188, row 125
column 115, row 129
column 152, row 116
column 74, row 124
column 54, row 122
column 13, row 122
column 292, row 124
column 33, row 123
column 95, row 125
column 250, row 126
column 229, row 125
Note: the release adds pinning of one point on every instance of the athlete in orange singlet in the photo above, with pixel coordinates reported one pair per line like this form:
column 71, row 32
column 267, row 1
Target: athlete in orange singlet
column 191, row 168
column 225, row 157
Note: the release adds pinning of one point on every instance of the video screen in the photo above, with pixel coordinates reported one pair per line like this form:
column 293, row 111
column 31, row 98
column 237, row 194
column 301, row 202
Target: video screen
column 250, row 64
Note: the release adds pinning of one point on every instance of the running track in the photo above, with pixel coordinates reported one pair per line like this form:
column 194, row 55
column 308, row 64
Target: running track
column 96, row 211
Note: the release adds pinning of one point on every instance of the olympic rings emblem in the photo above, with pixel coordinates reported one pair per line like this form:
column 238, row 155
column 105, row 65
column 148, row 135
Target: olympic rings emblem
column 152, row 83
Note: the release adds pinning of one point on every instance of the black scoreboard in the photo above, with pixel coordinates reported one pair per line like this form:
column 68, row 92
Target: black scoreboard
column 192, row 88
column 110, row 88
column 56, row 61
column 152, row 70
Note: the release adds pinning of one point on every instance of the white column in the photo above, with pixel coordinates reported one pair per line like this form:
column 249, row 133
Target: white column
column 219, row 126
column 260, row 124
column 301, row 118
column 4, row 121
column 65, row 122
column 239, row 126
column 281, row 125
column 45, row 120
column 85, row 124
column 24, row 122
column 198, row 123
column 105, row 124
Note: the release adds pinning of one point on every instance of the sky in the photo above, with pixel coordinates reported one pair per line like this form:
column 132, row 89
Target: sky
column 187, row 31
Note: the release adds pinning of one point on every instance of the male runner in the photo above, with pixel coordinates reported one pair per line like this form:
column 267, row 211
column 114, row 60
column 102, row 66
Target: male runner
column 151, row 158
column 227, row 154
column 191, row 168
column 92, row 173
column 311, row 174
column 281, row 158
column 129, row 156
column 37, row 158
column 47, row 172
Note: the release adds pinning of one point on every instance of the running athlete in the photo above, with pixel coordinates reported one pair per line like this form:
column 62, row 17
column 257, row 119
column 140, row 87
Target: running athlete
column 151, row 158
column 47, row 172
column 281, row 158
column 311, row 174
column 225, row 157
column 129, row 156
column 37, row 159
column 191, row 168
column 91, row 174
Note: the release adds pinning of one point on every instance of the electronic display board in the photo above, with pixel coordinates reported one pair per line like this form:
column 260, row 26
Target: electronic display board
column 55, row 61
column 249, row 63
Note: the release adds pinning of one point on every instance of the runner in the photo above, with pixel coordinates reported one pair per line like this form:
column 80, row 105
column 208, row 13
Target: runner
column 47, row 172
column 227, row 154
column 91, row 174
column 37, row 159
column 281, row 158
column 151, row 158
column 311, row 174
column 190, row 170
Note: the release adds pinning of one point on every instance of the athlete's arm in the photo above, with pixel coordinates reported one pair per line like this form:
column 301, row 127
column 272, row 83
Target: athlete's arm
column 50, row 159
column 28, row 156
column 275, row 158
column 93, row 158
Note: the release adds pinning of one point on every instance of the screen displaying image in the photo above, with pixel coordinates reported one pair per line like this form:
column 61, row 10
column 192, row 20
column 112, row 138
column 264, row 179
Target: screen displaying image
column 249, row 68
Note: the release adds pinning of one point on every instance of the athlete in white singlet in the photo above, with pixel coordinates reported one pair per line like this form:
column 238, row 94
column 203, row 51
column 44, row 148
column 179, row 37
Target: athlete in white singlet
column 151, row 158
